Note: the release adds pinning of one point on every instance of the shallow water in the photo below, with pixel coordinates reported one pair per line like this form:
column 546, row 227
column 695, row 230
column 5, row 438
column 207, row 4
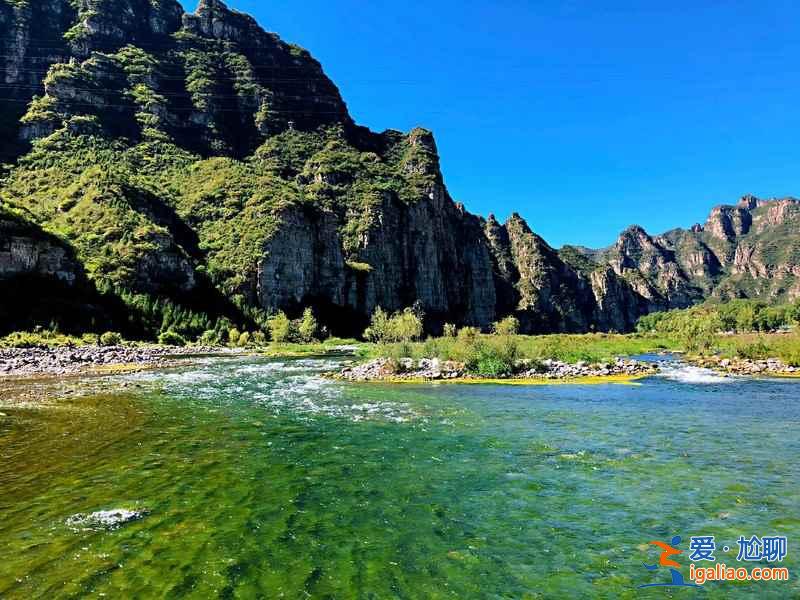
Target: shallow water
column 263, row 480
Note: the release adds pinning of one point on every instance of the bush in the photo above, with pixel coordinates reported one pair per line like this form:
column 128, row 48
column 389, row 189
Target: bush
column 468, row 335
column 244, row 340
column 307, row 327
column 404, row 326
column 259, row 338
column 508, row 326
column 233, row 337
column 280, row 328
column 489, row 365
column 492, row 358
column 755, row 351
column 110, row 338
column 791, row 356
column 378, row 327
column 91, row 339
column 171, row 338
column 794, row 312
column 209, row 338
column 449, row 330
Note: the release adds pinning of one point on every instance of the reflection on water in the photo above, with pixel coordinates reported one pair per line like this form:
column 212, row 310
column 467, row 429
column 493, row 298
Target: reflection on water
column 260, row 479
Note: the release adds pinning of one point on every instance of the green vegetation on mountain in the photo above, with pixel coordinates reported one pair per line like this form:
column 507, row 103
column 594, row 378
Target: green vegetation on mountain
column 192, row 175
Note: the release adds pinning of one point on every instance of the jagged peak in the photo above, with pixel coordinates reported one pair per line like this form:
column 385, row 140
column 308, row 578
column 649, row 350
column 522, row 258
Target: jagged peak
column 516, row 220
column 635, row 231
column 749, row 202
column 420, row 136
column 210, row 5
column 213, row 18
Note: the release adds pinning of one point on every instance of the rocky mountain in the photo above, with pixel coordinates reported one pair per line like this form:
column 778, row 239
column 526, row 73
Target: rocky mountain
column 185, row 170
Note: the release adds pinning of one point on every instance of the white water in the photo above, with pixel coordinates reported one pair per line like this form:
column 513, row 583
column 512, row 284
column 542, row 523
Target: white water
column 293, row 386
column 684, row 373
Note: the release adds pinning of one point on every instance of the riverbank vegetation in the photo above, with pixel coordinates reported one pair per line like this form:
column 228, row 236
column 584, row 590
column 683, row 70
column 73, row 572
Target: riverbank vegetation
column 740, row 329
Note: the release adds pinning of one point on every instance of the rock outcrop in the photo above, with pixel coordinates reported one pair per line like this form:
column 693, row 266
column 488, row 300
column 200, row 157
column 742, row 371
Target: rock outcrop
column 25, row 250
column 747, row 250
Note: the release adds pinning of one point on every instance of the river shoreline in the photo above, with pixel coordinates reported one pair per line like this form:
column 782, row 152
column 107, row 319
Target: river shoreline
column 70, row 361
column 25, row 364
column 547, row 372
column 744, row 367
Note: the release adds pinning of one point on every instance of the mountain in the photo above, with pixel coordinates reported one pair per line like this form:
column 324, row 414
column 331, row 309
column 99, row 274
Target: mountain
column 179, row 170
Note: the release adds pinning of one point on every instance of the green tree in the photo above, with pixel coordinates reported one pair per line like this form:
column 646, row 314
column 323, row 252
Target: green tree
column 209, row 338
column 378, row 327
column 280, row 328
column 405, row 326
column 308, row 327
column 508, row 326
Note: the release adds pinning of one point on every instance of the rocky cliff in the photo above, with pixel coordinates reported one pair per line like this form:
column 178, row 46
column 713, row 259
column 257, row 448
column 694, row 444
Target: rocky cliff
column 197, row 164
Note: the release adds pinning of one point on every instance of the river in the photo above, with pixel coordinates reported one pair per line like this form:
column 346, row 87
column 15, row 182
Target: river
column 260, row 479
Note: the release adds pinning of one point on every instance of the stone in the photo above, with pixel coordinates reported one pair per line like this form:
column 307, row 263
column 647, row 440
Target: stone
column 105, row 519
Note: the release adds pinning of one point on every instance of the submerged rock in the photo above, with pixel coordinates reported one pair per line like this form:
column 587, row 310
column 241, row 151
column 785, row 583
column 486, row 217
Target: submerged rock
column 105, row 519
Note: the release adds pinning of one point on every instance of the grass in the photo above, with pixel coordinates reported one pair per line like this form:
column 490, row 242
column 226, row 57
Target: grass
column 292, row 350
column 755, row 346
column 488, row 356
column 44, row 339
column 589, row 348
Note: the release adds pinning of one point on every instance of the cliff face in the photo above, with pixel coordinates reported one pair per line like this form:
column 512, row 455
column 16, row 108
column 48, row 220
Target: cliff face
column 41, row 280
column 747, row 250
column 25, row 250
column 200, row 160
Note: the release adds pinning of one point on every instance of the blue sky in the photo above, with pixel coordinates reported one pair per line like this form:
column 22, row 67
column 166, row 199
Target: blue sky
column 583, row 116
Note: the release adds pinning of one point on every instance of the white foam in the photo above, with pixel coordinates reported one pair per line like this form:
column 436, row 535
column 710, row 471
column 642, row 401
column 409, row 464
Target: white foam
column 684, row 373
column 292, row 386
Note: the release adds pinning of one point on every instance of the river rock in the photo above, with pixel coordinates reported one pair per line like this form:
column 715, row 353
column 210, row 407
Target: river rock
column 105, row 519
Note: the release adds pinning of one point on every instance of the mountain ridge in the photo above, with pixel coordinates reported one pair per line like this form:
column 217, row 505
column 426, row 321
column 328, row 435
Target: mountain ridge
column 197, row 165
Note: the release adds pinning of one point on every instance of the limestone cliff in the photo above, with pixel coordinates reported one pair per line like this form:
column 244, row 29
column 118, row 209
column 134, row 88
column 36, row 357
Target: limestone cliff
column 198, row 165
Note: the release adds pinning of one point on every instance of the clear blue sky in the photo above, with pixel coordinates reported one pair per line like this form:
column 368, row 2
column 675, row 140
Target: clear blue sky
column 583, row 116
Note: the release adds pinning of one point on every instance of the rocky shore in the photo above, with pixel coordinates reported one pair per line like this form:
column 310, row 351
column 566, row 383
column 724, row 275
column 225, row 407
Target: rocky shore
column 75, row 360
column 407, row 369
column 747, row 367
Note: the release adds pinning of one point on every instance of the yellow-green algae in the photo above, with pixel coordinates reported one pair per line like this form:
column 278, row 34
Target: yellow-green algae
column 599, row 380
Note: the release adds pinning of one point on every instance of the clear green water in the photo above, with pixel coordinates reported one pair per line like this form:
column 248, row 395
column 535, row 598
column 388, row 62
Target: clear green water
column 264, row 481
